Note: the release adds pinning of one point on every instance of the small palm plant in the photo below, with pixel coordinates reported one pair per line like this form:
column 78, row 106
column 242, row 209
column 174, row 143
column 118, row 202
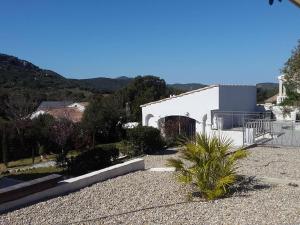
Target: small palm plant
column 207, row 162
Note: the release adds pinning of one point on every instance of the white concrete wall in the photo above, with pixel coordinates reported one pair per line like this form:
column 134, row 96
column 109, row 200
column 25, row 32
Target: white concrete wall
column 76, row 183
column 234, row 135
column 194, row 105
column 237, row 98
column 279, row 115
column 198, row 103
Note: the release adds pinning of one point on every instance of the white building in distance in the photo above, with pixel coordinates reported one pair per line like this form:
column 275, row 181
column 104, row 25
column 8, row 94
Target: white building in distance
column 282, row 91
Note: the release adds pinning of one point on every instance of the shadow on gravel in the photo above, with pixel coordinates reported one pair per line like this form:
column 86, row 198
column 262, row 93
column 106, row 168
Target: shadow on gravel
column 245, row 184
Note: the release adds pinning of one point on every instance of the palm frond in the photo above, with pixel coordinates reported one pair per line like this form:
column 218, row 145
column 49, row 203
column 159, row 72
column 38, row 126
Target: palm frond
column 177, row 163
column 225, row 181
column 185, row 177
column 239, row 154
column 210, row 164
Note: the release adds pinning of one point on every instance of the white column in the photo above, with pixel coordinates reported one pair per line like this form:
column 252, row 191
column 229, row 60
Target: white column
column 282, row 92
column 280, row 87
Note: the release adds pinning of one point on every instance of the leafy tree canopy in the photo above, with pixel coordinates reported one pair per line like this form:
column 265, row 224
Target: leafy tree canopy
column 143, row 90
column 291, row 70
column 103, row 118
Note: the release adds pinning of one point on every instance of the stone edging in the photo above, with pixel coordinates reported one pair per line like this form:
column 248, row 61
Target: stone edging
column 70, row 185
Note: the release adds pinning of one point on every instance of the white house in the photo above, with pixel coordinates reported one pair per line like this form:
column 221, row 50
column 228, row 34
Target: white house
column 283, row 113
column 219, row 109
column 61, row 109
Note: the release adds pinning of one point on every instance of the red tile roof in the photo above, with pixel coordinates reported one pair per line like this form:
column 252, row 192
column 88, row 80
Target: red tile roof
column 70, row 113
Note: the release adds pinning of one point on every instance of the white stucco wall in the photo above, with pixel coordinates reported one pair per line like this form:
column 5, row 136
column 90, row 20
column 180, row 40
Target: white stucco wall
column 200, row 103
column 235, row 135
column 195, row 105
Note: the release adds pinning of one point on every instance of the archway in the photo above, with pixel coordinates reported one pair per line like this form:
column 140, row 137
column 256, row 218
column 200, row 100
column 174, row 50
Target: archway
column 174, row 126
column 204, row 119
column 147, row 119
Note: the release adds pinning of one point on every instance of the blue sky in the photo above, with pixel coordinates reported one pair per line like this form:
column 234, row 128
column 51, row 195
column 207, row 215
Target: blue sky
column 234, row 41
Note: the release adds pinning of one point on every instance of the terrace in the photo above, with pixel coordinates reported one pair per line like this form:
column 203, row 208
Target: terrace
column 268, row 194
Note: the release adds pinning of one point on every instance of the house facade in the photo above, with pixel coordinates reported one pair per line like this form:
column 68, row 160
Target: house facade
column 216, row 109
column 72, row 111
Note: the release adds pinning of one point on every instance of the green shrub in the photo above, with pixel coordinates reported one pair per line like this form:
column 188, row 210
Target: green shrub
column 208, row 163
column 107, row 146
column 128, row 149
column 144, row 139
column 91, row 160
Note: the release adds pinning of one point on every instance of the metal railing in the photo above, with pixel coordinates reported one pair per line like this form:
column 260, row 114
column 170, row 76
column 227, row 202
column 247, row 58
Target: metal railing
column 272, row 132
column 228, row 120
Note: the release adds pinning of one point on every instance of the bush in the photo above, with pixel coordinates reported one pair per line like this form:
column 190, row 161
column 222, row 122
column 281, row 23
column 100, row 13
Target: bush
column 128, row 149
column 144, row 139
column 209, row 165
column 91, row 160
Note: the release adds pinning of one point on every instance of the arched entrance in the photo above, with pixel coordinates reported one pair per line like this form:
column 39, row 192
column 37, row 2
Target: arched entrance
column 147, row 119
column 174, row 126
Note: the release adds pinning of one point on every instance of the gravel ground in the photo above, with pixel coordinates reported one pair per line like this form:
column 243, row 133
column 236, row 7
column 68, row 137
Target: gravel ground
column 154, row 161
column 146, row 197
column 272, row 162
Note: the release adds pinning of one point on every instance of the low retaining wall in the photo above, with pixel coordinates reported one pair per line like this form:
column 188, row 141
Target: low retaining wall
column 74, row 184
column 26, row 188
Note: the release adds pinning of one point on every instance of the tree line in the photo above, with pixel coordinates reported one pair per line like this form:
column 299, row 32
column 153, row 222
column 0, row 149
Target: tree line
column 101, row 123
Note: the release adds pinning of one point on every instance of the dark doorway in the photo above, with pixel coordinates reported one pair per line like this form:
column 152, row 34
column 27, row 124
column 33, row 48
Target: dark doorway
column 174, row 126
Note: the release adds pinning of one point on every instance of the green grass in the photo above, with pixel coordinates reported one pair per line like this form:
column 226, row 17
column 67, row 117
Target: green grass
column 40, row 172
column 114, row 144
column 34, row 173
column 27, row 161
column 73, row 153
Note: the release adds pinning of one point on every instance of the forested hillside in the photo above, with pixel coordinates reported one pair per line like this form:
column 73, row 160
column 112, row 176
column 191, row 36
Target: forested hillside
column 265, row 91
column 25, row 85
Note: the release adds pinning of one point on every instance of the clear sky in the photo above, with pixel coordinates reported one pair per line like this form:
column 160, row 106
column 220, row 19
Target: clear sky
column 233, row 41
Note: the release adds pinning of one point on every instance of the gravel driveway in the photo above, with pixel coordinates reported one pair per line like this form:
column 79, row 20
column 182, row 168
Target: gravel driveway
column 272, row 162
column 146, row 197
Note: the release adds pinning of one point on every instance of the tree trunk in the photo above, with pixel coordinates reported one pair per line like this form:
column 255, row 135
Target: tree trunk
column 32, row 155
column 93, row 141
column 4, row 147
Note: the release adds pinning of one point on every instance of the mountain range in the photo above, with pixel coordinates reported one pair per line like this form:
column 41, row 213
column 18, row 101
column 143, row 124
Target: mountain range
column 18, row 73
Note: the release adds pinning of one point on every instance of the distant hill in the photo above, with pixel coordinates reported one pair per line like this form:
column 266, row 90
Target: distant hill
column 103, row 83
column 267, row 85
column 265, row 91
column 22, row 82
column 20, row 74
column 16, row 72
